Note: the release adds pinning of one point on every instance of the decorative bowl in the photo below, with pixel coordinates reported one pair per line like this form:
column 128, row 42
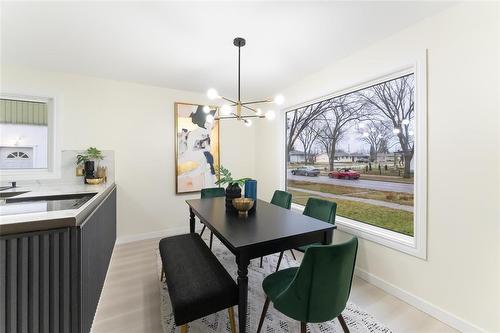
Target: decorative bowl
column 94, row 181
column 243, row 205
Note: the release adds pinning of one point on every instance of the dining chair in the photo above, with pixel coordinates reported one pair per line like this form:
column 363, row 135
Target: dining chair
column 318, row 290
column 320, row 209
column 213, row 192
column 284, row 200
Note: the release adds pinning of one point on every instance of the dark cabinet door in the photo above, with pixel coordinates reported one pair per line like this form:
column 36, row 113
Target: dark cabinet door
column 97, row 239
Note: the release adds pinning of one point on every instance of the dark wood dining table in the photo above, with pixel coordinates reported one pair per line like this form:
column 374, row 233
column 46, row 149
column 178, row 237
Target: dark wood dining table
column 271, row 229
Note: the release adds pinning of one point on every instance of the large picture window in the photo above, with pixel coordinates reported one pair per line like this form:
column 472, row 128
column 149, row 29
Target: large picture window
column 358, row 149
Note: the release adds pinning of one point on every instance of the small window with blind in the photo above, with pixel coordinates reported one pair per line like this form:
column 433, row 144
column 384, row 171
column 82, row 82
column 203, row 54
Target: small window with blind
column 24, row 134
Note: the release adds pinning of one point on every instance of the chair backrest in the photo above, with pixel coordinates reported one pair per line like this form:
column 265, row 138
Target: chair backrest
column 320, row 209
column 321, row 286
column 212, row 192
column 282, row 199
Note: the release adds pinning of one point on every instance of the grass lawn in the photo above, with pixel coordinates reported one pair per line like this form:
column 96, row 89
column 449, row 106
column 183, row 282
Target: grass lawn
column 393, row 219
column 394, row 197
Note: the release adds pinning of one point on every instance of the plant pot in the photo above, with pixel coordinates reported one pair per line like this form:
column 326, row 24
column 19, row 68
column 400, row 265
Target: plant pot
column 233, row 191
column 89, row 170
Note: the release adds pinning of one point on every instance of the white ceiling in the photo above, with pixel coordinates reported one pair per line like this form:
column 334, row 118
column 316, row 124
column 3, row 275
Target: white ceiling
column 189, row 45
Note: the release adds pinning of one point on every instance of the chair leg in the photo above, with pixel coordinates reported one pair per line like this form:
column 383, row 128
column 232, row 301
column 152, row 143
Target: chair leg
column 232, row 322
column 261, row 262
column 303, row 327
column 211, row 239
column 343, row 324
column 279, row 261
column 184, row 328
column 263, row 315
column 293, row 254
column 202, row 229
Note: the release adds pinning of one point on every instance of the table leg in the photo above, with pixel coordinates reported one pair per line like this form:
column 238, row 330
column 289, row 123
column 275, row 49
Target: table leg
column 191, row 220
column 242, row 292
column 328, row 237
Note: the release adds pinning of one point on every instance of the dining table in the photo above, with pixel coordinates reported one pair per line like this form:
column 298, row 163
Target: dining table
column 269, row 229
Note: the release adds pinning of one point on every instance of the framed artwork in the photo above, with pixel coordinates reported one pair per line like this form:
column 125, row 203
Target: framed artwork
column 196, row 147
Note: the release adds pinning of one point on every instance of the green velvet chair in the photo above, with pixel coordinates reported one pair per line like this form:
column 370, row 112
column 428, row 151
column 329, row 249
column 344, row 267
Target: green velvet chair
column 320, row 209
column 318, row 290
column 213, row 192
column 284, row 200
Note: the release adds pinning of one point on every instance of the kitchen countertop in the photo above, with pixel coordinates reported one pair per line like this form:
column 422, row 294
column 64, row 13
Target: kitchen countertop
column 26, row 222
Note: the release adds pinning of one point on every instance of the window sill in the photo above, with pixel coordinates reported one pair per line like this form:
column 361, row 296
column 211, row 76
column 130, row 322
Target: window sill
column 391, row 239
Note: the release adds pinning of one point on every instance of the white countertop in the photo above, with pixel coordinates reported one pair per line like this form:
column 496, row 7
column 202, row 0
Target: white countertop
column 71, row 216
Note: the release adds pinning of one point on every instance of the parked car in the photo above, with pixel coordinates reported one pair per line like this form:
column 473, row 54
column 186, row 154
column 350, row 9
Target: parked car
column 306, row 171
column 344, row 173
column 362, row 160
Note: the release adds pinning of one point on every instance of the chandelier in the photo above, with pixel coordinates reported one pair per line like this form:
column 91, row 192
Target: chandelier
column 235, row 109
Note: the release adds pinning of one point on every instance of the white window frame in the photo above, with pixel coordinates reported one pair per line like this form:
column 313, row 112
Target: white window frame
column 416, row 245
column 53, row 169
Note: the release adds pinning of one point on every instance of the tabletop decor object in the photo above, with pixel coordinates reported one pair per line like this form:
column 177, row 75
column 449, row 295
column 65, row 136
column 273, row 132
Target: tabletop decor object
column 226, row 111
column 251, row 192
column 88, row 159
column 196, row 147
column 233, row 189
column 243, row 205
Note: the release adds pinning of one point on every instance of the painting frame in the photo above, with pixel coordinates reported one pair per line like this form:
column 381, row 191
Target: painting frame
column 215, row 134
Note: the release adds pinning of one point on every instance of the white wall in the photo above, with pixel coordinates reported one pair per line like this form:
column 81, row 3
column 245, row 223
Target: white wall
column 460, row 279
column 137, row 123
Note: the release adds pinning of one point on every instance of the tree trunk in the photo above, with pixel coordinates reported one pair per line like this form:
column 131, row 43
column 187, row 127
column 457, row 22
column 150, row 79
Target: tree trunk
column 331, row 160
column 407, row 161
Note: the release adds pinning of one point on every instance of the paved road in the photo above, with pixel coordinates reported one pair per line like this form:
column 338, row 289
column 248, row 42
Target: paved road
column 362, row 183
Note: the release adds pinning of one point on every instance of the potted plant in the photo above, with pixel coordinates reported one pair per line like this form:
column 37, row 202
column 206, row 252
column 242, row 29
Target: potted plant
column 88, row 159
column 233, row 189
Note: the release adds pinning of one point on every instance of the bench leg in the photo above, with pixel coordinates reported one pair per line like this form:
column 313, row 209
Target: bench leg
column 232, row 322
column 184, row 328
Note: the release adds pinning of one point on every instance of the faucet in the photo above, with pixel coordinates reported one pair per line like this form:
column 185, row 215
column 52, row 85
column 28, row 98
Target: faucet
column 13, row 185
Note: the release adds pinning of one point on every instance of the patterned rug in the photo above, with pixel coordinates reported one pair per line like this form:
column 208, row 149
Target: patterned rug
column 275, row 322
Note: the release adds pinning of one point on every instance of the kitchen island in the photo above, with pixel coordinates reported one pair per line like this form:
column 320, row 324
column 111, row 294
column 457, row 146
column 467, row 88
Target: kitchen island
column 53, row 262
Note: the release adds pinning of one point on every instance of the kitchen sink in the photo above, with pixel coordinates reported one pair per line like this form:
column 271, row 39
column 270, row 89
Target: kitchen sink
column 13, row 206
column 11, row 194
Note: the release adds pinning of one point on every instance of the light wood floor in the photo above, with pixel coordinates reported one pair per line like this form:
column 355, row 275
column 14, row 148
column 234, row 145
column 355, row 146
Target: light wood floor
column 130, row 301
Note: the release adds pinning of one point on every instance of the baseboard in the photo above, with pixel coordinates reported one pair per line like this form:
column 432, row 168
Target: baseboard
column 419, row 303
column 154, row 234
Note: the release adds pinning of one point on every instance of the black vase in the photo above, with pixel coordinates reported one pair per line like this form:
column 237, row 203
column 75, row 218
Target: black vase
column 233, row 191
column 89, row 170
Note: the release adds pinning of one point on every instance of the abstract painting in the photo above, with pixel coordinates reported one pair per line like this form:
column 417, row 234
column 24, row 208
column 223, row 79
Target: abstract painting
column 197, row 147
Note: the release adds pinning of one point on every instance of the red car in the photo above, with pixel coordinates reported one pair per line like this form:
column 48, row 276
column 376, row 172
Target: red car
column 344, row 173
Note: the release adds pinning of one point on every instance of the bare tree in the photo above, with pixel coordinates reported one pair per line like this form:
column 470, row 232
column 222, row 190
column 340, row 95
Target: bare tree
column 395, row 100
column 344, row 110
column 299, row 119
column 376, row 134
column 307, row 138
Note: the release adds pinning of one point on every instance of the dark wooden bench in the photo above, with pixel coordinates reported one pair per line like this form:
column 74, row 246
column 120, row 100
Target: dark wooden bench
column 197, row 283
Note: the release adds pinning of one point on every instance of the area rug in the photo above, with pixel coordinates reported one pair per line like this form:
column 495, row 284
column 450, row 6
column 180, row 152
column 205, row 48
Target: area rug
column 275, row 322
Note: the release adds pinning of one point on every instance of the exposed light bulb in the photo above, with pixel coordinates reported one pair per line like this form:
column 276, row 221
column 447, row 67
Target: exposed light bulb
column 396, row 131
column 406, row 121
column 279, row 99
column 248, row 122
column 225, row 110
column 366, row 134
column 212, row 93
column 210, row 118
column 270, row 115
column 206, row 109
column 258, row 112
